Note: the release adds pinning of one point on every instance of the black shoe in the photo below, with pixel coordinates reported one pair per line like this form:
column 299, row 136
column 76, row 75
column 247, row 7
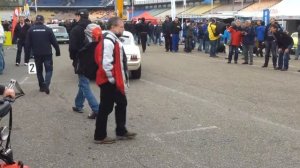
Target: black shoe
column 235, row 62
column 264, row 66
column 245, row 63
column 47, row 91
column 229, row 62
column 42, row 89
column 277, row 68
column 78, row 110
column 106, row 140
column 92, row 115
column 298, row 71
column 127, row 136
column 284, row 69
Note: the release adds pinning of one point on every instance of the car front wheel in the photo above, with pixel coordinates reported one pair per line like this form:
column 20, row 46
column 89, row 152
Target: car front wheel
column 137, row 73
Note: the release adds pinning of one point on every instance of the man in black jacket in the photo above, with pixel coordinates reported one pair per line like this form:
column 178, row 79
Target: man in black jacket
column 175, row 29
column 77, row 34
column 166, row 28
column 270, row 43
column 76, row 44
column 285, row 42
column 39, row 40
column 20, row 33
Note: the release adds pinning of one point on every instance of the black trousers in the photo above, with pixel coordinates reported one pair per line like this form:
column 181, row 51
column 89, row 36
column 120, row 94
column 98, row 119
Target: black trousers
column 108, row 97
column 144, row 40
column 168, row 42
column 21, row 45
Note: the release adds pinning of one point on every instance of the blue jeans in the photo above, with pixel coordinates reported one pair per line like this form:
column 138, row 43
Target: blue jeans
column 213, row 48
column 175, row 40
column 2, row 63
column 85, row 92
column 200, row 44
column 271, row 46
column 47, row 61
column 283, row 59
column 206, row 46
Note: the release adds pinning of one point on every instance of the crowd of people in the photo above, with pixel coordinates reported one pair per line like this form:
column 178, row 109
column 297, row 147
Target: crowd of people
column 246, row 38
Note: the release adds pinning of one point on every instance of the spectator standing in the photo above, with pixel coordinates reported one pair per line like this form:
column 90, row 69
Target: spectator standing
column 2, row 38
column 112, row 79
column 166, row 27
column 213, row 37
column 150, row 33
column 40, row 38
column 189, row 37
column 200, row 37
column 79, row 42
column 260, row 37
column 298, row 45
column 285, row 43
column 175, row 29
column 270, row 43
column 236, row 38
column 143, row 33
column 248, row 33
column 158, row 32
column 20, row 34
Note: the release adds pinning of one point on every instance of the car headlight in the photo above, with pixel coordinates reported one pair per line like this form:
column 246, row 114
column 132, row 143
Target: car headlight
column 4, row 131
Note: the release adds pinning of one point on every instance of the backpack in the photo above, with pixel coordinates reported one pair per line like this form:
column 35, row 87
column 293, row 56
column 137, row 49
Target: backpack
column 86, row 64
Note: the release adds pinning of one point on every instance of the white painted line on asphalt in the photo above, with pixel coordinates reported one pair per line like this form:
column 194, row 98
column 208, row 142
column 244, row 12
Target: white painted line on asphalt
column 155, row 136
column 190, row 130
column 175, row 91
column 24, row 80
column 275, row 124
column 219, row 106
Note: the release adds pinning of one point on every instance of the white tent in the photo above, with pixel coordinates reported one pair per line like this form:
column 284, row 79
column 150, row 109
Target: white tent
column 286, row 9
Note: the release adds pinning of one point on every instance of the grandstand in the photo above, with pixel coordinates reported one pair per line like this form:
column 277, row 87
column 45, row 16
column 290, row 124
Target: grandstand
column 259, row 6
column 67, row 3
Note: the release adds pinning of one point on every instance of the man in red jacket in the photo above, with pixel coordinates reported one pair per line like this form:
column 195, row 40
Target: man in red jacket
column 236, row 39
column 112, row 79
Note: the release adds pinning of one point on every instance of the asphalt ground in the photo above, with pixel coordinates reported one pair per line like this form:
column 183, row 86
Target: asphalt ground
column 189, row 110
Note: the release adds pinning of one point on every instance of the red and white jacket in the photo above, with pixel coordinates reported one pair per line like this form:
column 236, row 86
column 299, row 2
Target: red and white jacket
column 112, row 62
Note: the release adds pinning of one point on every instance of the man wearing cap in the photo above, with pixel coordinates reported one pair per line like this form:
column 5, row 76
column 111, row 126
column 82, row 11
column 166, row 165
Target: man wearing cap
column 39, row 40
column 77, row 34
column 20, row 33
column 77, row 42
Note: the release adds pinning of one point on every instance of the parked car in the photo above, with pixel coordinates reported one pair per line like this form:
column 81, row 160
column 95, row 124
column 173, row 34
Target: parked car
column 133, row 54
column 295, row 38
column 60, row 33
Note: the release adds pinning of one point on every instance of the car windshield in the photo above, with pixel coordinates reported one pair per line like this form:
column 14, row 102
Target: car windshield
column 125, row 40
column 58, row 30
column 295, row 35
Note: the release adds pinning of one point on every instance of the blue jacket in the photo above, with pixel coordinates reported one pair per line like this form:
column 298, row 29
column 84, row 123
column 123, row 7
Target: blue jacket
column 260, row 33
column 249, row 38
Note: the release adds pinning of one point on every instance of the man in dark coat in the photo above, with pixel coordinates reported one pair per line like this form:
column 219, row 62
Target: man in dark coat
column 39, row 40
column 20, row 33
column 166, row 27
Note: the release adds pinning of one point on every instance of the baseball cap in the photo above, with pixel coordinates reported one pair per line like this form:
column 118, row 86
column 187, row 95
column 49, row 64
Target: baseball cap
column 83, row 13
column 39, row 18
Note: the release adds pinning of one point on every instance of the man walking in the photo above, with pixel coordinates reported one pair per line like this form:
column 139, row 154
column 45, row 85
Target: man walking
column 77, row 43
column 112, row 79
column 213, row 37
column 248, row 33
column 40, row 38
column 166, row 28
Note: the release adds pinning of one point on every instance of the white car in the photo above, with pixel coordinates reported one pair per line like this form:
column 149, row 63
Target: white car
column 133, row 54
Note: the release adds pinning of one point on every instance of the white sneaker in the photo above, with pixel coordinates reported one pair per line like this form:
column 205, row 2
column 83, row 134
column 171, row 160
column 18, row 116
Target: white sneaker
column 25, row 64
column 17, row 64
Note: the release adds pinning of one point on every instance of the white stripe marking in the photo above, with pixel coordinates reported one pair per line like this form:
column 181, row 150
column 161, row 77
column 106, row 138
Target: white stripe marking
column 24, row 80
column 191, row 130
column 275, row 124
